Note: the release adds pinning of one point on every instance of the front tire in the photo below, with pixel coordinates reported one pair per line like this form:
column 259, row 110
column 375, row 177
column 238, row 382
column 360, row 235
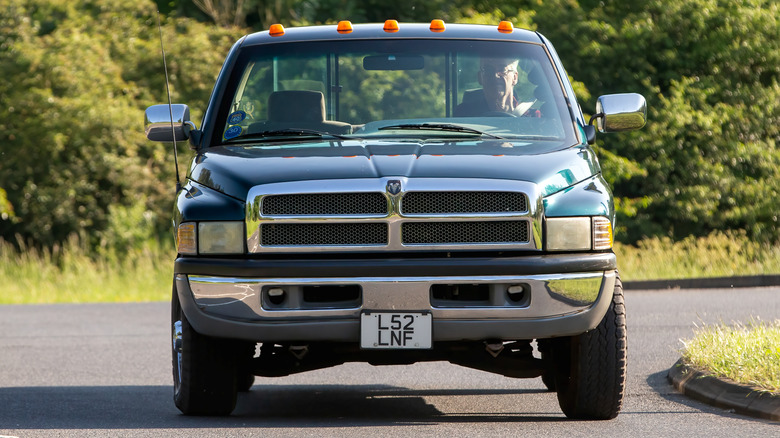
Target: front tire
column 591, row 375
column 204, row 368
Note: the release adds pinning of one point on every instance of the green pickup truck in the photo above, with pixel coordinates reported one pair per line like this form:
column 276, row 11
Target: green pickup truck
column 394, row 193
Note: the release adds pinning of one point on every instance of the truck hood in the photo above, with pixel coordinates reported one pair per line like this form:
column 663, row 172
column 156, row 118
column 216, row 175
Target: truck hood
column 233, row 170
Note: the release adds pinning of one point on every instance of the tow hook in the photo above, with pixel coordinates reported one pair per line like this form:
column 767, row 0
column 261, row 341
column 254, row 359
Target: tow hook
column 494, row 348
column 299, row 351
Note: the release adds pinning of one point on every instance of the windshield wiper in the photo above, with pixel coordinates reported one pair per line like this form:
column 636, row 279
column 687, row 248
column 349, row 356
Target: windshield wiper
column 291, row 132
column 439, row 127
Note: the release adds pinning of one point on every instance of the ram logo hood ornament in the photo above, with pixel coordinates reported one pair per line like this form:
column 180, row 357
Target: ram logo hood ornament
column 393, row 187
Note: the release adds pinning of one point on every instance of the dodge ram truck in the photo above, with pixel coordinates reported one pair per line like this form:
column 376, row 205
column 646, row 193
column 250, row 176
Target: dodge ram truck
column 394, row 193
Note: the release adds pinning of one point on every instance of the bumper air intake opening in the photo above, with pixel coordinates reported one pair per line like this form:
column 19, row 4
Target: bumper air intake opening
column 337, row 294
column 460, row 295
column 481, row 295
column 298, row 297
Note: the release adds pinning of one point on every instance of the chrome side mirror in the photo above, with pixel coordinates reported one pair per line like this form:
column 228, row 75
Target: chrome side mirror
column 620, row 112
column 157, row 123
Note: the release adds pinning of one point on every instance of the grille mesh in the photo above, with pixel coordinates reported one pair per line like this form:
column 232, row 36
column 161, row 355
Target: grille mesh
column 324, row 204
column 465, row 232
column 463, row 202
column 323, row 234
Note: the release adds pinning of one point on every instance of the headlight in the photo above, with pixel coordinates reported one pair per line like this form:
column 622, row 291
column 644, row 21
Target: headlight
column 211, row 238
column 220, row 237
column 579, row 233
column 568, row 234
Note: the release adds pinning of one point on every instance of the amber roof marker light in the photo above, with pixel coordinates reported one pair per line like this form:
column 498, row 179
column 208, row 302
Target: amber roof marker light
column 437, row 25
column 506, row 27
column 344, row 26
column 276, row 30
column 391, row 26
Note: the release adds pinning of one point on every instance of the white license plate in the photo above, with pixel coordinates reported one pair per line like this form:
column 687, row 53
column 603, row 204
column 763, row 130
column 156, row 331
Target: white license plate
column 392, row 330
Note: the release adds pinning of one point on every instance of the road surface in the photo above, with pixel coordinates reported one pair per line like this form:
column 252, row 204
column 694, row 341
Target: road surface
column 104, row 370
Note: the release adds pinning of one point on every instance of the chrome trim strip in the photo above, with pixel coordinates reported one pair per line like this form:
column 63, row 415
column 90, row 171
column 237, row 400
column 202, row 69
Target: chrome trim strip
column 393, row 218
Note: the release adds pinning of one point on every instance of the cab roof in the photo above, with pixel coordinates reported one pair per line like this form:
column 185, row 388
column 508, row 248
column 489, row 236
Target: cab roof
column 404, row 30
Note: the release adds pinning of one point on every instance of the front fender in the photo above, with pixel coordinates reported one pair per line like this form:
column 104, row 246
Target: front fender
column 590, row 197
column 196, row 202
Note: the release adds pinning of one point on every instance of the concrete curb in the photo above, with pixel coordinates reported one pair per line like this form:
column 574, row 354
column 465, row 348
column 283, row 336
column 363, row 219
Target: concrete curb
column 724, row 394
column 705, row 283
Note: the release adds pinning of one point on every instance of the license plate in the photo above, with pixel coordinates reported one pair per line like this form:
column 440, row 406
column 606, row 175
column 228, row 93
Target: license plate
column 391, row 330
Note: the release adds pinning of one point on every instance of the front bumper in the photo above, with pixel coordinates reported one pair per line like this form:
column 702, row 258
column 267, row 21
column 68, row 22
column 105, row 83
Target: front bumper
column 562, row 295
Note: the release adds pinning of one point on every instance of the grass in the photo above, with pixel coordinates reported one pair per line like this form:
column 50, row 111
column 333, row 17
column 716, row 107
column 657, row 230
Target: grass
column 717, row 255
column 68, row 274
column 747, row 354
column 71, row 274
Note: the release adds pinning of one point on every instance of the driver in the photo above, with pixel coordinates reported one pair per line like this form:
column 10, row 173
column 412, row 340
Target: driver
column 498, row 76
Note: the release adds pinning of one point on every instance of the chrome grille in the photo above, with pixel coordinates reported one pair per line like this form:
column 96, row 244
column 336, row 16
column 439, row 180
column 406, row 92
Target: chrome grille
column 325, row 204
column 429, row 214
column 463, row 202
column 346, row 234
column 464, row 232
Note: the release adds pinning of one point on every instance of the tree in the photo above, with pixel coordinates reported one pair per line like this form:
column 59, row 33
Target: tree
column 76, row 80
column 708, row 158
column 225, row 13
column 77, row 76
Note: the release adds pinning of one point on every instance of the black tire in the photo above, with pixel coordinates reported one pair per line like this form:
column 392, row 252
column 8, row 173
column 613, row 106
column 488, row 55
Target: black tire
column 246, row 352
column 245, row 382
column 591, row 373
column 548, row 379
column 546, row 349
column 204, row 369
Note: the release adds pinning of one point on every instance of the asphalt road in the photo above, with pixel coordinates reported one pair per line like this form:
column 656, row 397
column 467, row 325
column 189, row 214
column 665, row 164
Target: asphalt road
column 104, row 370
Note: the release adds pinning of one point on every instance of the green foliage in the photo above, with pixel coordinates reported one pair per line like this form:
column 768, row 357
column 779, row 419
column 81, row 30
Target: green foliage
column 77, row 76
column 6, row 209
column 260, row 14
column 708, row 158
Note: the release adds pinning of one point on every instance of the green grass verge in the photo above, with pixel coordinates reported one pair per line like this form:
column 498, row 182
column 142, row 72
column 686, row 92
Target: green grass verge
column 747, row 354
column 69, row 274
column 717, row 255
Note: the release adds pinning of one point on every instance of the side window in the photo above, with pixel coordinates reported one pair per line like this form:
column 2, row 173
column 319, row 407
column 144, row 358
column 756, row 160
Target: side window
column 468, row 73
column 282, row 74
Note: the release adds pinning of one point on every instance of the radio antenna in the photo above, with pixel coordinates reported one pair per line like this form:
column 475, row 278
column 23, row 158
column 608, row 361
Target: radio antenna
column 170, row 106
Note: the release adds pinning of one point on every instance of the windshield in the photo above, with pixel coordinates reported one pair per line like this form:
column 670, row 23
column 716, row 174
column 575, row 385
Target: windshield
column 395, row 89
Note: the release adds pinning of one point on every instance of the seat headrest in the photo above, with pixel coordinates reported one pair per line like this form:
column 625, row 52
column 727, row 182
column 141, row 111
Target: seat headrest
column 296, row 106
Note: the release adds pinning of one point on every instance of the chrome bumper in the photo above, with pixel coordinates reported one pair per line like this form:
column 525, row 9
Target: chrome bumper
column 551, row 305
